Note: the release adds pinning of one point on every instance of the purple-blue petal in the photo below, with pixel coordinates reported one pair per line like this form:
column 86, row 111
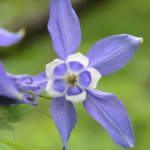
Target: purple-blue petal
column 59, row 85
column 26, row 87
column 11, row 87
column 75, row 66
column 24, row 77
column 29, row 99
column 7, row 88
column 110, row 112
column 85, row 78
column 60, row 70
column 38, row 85
column 8, row 38
column 64, row 28
column 23, row 82
column 64, row 116
column 17, row 79
column 74, row 90
column 111, row 54
column 39, row 80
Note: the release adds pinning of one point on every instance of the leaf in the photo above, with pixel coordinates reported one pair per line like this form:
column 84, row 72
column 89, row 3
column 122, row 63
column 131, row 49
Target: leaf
column 5, row 126
column 10, row 146
column 12, row 114
column 4, row 147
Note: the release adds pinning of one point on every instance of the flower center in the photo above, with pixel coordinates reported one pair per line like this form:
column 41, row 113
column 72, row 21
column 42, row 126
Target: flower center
column 71, row 79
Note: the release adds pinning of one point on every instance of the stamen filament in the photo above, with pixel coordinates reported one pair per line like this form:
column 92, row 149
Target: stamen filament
column 71, row 79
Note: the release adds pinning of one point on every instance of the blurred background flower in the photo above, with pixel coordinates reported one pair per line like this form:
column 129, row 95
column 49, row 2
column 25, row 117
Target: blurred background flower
column 98, row 19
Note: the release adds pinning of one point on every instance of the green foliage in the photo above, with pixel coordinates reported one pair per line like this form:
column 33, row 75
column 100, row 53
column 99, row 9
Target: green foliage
column 12, row 114
column 5, row 126
column 4, row 147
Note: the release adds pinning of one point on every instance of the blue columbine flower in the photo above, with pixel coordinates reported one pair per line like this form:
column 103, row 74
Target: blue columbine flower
column 17, row 89
column 8, row 38
column 74, row 77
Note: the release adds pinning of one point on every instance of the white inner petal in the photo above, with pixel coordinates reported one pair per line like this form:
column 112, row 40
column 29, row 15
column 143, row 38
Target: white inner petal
column 95, row 77
column 50, row 90
column 76, row 98
column 51, row 66
column 78, row 57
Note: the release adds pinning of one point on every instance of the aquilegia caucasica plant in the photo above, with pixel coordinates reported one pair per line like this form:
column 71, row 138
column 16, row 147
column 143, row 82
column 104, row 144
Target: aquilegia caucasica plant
column 74, row 77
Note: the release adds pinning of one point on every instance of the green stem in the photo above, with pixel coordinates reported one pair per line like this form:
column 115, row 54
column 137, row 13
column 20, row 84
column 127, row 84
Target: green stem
column 43, row 91
column 14, row 135
column 46, row 97
column 30, row 92
column 42, row 112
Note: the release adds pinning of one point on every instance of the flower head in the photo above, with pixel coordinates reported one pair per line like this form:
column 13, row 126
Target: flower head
column 73, row 78
column 17, row 89
column 8, row 38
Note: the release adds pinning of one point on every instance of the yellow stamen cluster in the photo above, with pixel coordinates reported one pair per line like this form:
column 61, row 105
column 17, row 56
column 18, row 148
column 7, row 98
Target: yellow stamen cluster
column 71, row 79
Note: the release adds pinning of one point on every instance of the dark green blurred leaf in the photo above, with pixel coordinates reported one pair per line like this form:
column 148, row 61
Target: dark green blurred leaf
column 15, row 113
column 5, row 126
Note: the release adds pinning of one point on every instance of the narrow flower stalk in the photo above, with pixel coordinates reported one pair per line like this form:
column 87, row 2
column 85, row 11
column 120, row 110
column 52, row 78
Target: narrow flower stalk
column 42, row 112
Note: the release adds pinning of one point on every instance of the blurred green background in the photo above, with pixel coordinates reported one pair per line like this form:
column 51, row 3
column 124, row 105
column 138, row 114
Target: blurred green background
column 98, row 19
